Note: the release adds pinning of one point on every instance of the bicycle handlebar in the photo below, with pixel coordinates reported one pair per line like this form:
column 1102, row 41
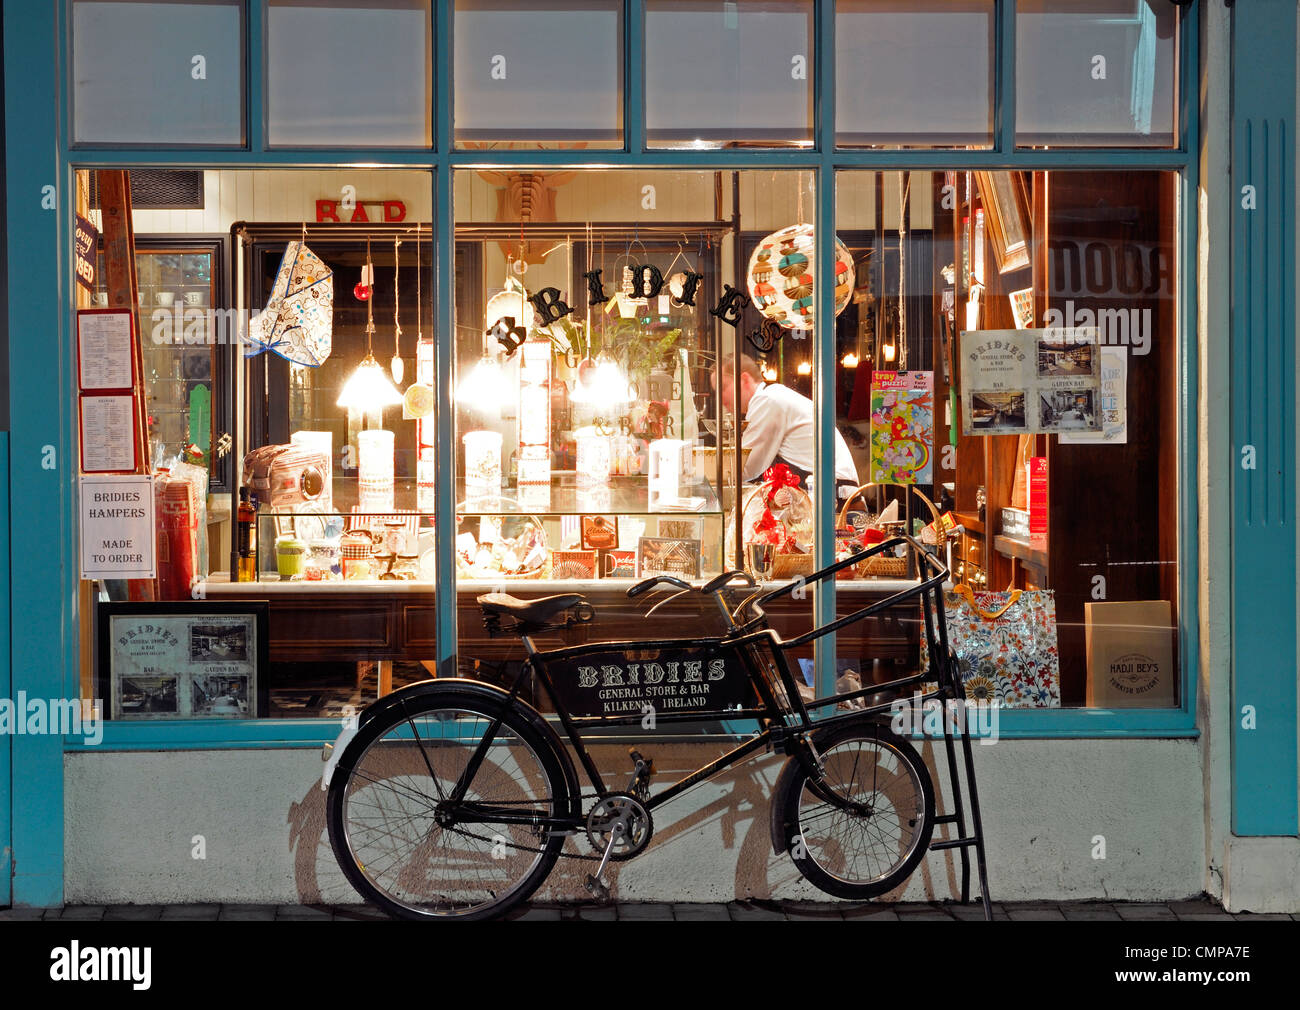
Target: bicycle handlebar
column 645, row 585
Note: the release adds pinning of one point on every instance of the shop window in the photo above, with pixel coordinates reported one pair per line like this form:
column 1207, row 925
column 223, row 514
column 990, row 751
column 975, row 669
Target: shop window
column 1010, row 352
column 157, row 73
column 721, row 74
column 1096, row 73
column 604, row 369
column 344, row 74
column 549, row 74
column 914, row 74
column 319, row 596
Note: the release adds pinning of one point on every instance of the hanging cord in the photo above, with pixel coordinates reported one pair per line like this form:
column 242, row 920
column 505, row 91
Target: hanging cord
column 904, row 190
column 370, row 303
column 419, row 301
column 397, row 326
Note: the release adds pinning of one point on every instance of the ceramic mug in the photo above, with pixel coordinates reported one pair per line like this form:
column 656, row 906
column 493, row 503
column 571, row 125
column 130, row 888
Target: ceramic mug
column 165, row 299
column 193, row 297
column 101, row 298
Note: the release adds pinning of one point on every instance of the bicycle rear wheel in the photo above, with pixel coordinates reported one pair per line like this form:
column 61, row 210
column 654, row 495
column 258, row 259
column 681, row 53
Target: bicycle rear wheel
column 861, row 830
column 399, row 839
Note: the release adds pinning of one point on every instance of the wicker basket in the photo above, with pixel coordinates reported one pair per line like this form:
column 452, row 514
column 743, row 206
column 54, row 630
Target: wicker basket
column 880, row 565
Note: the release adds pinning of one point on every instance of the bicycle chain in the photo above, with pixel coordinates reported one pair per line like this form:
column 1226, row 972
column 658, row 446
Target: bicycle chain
column 527, row 848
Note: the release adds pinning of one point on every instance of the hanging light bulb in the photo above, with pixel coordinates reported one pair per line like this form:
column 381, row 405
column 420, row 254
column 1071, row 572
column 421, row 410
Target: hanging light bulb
column 890, row 350
column 368, row 388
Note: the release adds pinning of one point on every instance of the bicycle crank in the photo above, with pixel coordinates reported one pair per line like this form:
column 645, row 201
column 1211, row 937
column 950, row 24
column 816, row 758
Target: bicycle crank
column 619, row 827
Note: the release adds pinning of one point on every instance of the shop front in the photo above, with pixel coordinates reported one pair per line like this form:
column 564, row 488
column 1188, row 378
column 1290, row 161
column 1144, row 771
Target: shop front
column 327, row 320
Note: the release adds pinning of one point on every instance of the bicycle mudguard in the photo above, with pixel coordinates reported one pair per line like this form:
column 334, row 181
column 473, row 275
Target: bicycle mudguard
column 488, row 693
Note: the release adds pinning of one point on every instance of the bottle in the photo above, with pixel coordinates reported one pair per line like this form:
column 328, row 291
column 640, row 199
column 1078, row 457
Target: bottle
column 246, row 537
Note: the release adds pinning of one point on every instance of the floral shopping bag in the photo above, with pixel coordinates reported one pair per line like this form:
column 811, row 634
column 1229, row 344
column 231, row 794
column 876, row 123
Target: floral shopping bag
column 1005, row 645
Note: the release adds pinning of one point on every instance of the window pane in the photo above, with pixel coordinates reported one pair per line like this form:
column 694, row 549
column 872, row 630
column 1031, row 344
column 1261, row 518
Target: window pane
column 1096, row 72
column 157, row 73
column 719, row 73
column 610, row 368
column 914, row 74
column 1010, row 351
column 546, row 73
column 342, row 74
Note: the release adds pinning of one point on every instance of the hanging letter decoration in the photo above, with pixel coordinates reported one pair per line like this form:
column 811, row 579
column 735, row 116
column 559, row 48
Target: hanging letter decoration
column 507, row 334
column 595, row 289
column 647, row 281
column 730, row 305
column 550, row 309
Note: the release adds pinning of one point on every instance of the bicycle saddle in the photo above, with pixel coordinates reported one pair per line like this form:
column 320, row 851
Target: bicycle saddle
column 528, row 611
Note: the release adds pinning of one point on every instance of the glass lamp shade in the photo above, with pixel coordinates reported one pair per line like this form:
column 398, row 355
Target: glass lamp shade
column 606, row 387
column 782, row 273
column 510, row 303
column 368, row 388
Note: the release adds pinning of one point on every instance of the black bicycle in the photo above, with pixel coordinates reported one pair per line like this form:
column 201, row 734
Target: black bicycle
column 453, row 798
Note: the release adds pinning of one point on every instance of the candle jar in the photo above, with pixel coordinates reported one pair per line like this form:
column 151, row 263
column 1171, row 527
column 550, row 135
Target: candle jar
column 290, row 557
column 482, row 464
column 322, row 560
column 355, row 550
column 594, row 459
column 375, row 471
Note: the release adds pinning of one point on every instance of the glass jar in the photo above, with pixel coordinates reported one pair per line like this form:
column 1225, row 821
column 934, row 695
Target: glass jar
column 291, row 557
column 322, row 561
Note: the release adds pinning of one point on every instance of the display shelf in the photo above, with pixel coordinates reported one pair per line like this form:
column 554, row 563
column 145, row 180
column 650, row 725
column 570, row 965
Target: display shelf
column 622, row 495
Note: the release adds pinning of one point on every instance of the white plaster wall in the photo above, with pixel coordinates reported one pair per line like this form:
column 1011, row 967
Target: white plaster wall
column 131, row 819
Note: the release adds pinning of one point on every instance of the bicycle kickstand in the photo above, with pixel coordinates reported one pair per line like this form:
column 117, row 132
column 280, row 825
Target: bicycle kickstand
column 596, row 883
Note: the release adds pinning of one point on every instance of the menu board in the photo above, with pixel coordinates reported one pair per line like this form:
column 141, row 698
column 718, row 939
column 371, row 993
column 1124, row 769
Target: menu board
column 1016, row 382
column 108, row 434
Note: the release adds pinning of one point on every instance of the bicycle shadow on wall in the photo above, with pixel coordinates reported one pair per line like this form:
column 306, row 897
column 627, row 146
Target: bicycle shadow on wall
column 731, row 815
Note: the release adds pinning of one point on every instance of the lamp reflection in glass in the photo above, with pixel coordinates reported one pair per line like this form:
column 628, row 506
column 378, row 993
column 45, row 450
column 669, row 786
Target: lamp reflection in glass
column 890, row 351
column 849, row 360
column 482, row 387
column 605, row 386
column 805, row 368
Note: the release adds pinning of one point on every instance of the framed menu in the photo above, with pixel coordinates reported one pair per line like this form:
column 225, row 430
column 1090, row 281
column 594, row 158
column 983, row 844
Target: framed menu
column 105, row 354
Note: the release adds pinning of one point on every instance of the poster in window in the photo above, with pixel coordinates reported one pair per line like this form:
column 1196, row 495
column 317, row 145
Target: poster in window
column 1017, row 382
column 902, row 427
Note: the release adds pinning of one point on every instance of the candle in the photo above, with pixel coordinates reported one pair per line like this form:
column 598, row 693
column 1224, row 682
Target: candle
column 375, row 471
column 482, row 464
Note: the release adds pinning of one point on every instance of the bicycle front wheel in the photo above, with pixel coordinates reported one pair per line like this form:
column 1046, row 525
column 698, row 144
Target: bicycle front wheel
column 862, row 829
column 408, row 846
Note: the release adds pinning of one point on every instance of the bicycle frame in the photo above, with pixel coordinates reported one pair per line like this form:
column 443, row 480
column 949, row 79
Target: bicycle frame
column 758, row 651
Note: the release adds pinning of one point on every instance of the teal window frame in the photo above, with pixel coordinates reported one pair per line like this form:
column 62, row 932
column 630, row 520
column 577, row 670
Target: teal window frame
column 50, row 590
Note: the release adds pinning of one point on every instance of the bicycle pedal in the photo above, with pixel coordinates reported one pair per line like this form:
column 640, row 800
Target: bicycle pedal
column 597, row 888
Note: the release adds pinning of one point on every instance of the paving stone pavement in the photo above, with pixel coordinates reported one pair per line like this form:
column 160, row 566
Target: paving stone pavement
column 1197, row 910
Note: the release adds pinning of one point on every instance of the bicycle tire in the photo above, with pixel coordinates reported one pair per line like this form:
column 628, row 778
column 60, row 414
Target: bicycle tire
column 828, row 842
column 393, row 859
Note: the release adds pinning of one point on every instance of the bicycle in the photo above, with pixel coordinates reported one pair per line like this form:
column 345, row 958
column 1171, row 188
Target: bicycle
column 453, row 799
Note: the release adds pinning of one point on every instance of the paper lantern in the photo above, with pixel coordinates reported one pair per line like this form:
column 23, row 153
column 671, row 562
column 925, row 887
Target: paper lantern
column 781, row 277
column 298, row 321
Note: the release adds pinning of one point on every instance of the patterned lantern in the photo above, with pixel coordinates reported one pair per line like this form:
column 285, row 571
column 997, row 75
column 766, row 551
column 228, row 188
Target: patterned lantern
column 781, row 273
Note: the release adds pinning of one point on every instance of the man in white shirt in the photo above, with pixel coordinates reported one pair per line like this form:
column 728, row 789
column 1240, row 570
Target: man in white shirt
column 780, row 428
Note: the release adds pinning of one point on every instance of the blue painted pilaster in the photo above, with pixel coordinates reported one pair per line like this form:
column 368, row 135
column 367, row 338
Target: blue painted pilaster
column 1264, row 772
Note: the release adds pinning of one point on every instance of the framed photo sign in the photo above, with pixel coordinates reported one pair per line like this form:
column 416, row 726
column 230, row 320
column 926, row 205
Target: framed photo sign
column 183, row 660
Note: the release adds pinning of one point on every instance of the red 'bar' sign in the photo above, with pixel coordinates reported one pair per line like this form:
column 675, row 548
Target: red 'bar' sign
column 387, row 211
